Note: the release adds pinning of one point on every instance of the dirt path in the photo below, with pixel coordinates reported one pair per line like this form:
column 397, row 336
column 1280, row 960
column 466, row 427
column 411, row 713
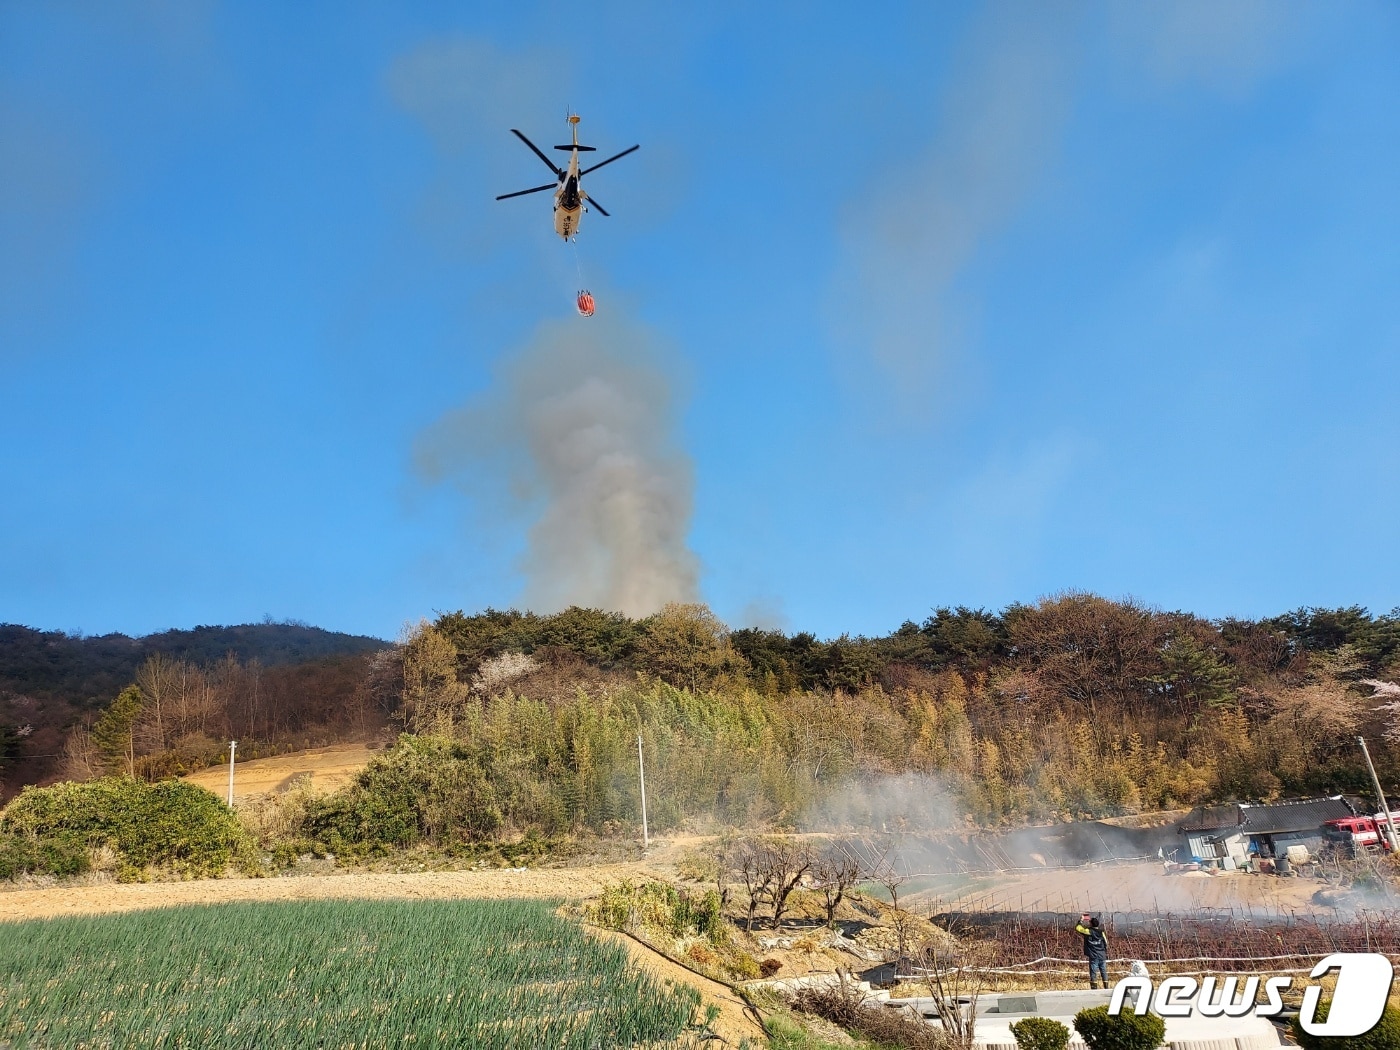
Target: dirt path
column 565, row 883
column 735, row 1021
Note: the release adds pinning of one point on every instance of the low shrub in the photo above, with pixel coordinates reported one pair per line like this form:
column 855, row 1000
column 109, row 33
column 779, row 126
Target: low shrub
column 768, row 967
column 1384, row 1036
column 786, row 1034
column 528, row 850
column 172, row 824
column 846, row 1007
column 1102, row 1031
column 427, row 789
column 1040, row 1033
column 739, row 965
column 22, row 855
column 701, row 954
column 658, row 907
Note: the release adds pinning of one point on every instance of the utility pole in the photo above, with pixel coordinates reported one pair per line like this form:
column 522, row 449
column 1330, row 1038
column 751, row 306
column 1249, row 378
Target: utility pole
column 1390, row 832
column 642, row 774
column 232, row 747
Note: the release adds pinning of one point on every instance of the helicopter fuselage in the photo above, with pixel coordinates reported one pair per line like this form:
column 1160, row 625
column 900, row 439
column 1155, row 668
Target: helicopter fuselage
column 568, row 201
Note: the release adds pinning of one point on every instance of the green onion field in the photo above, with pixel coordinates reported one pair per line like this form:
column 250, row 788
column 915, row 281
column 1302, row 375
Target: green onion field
column 328, row 975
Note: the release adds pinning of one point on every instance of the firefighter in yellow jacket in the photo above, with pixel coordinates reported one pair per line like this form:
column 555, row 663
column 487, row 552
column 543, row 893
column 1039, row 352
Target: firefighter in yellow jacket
column 1095, row 948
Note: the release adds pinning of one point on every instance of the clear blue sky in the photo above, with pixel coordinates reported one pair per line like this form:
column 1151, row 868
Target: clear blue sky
column 956, row 304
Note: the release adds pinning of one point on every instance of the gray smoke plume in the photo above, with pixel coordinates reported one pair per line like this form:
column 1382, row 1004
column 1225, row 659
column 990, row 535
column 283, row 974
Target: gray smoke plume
column 579, row 428
column 912, row 235
column 915, row 230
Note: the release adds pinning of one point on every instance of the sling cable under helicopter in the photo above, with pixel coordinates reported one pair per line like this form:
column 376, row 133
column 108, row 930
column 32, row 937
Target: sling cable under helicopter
column 570, row 201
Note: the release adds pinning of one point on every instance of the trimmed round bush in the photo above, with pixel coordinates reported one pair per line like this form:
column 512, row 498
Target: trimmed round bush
column 1040, row 1033
column 1102, row 1031
column 1384, row 1036
column 172, row 824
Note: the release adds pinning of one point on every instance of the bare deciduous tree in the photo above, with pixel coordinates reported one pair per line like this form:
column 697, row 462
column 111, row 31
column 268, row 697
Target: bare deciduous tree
column 159, row 679
column 1390, row 693
column 956, row 977
column 836, row 867
column 769, row 869
column 882, row 863
column 81, row 758
column 787, row 860
column 746, row 862
column 384, row 679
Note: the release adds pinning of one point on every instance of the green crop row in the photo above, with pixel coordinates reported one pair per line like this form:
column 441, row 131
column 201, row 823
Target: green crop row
column 354, row 975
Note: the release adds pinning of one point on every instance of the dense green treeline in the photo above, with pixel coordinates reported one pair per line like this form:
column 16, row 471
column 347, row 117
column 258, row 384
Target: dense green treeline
column 1078, row 706
column 1057, row 631
column 518, row 724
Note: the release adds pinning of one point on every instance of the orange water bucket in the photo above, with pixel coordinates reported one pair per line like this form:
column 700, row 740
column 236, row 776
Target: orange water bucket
column 585, row 304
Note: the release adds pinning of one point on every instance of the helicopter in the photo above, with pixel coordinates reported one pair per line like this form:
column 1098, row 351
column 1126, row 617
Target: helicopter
column 569, row 198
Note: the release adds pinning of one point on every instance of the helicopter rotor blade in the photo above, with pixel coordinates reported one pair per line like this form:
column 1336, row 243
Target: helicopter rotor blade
column 594, row 204
column 624, row 153
column 521, row 193
column 536, row 150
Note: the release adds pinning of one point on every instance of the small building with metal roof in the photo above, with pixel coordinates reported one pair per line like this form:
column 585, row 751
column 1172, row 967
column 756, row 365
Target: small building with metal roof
column 1232, row 833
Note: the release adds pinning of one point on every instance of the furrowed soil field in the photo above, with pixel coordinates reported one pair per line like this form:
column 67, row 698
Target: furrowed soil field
column 330, row 974
column 322, row 769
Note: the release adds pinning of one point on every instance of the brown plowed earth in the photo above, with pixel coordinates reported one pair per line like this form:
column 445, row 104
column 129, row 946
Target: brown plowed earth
column 1131, row 887
column 324, row 769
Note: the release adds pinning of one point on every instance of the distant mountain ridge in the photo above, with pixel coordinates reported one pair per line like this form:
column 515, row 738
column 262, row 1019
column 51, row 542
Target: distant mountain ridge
column 50, row 665
column 51, row 681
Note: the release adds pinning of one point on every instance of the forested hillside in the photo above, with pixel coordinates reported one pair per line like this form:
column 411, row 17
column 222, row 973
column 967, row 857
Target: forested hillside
column 1076, row 705
column 51, row 681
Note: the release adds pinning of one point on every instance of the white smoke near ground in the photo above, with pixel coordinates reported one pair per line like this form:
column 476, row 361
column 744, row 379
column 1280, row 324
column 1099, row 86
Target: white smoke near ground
column 914, row 827
column 579, row 430
column 915, row 803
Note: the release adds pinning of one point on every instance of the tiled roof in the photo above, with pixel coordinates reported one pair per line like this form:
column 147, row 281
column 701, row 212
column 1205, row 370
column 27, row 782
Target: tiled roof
column 1305, row 815
column 1268, row 819
column 1213, row 818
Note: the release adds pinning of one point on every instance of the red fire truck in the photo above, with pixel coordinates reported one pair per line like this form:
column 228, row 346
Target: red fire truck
column 1353, row 835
